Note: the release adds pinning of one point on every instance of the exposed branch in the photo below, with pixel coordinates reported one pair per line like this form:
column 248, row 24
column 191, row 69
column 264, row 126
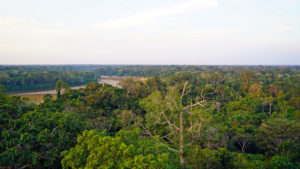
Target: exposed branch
column 168, row 121
column 196, row 104
column 25, row 166
column 183, row 91
column 157, row 139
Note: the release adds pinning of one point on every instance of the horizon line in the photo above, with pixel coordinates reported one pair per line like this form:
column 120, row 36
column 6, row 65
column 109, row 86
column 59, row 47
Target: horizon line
column 87, row 64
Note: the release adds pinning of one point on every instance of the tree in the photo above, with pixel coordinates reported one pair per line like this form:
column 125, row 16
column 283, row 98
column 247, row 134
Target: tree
column 246, row 161
column 36, row 139
column 247, row 76
column 59, row 86
column 170, row 121
column 126, row 150
column 133, row 87
column 243, row 138
column 276, row 132
column 281, row 162
column 47, row 97
column 127, row 118
column 255, row 89
column 154, row 83
column 268, row 101
column 204, row 158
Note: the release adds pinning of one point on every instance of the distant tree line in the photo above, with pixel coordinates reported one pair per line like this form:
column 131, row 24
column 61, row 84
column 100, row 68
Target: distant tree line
column 168, row 70
column 36, row 78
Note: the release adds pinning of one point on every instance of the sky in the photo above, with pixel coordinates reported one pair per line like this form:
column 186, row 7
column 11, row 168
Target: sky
column 190, row 32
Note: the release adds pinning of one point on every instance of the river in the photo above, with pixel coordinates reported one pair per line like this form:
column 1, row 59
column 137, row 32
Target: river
column 112, row 82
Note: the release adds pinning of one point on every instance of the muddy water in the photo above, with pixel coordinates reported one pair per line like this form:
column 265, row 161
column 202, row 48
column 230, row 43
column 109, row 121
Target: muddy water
column 112, row 82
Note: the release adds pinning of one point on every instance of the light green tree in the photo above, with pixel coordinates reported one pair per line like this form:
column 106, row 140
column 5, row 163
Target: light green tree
column 171, row 122
column 59, row 86
column 126, row 150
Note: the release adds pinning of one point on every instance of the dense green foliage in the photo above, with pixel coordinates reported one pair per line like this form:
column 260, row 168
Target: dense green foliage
column 206, row 117
column 32, row 137
column 22, row 78
column 126, row 150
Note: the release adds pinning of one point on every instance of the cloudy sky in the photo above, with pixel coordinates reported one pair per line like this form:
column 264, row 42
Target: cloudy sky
column 150, row 32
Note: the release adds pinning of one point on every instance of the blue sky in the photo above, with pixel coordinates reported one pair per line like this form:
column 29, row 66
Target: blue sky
column 150, row 32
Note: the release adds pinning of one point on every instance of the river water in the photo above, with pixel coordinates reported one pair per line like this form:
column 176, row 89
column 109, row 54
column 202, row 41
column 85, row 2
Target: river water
column 112, row 82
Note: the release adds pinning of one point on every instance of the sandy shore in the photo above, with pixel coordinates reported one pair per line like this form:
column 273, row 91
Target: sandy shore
column 112, row 80
column 43, row 92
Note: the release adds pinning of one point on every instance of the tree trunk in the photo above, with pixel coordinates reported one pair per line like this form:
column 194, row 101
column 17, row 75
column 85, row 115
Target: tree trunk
column 270, row 109
column 181, row 158
column 181, row 129
column 244, row 147
column 58, row 94
column 181, row 140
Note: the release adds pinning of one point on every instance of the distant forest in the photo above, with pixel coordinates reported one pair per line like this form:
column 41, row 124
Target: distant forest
column 185, row 117
column 40, row 77
column 30, row 78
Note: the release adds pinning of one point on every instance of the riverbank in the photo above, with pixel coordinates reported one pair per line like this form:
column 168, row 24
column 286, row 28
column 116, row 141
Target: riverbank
column 37, row 96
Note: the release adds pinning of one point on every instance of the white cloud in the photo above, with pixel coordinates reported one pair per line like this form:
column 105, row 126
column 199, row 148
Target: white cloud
column 149, row 16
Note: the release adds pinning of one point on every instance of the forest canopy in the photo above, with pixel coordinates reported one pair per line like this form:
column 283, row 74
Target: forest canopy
column 179, row 117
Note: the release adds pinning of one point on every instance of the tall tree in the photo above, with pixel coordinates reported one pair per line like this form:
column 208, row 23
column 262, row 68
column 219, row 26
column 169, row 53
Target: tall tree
column 170, row 121
column 59, row 86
